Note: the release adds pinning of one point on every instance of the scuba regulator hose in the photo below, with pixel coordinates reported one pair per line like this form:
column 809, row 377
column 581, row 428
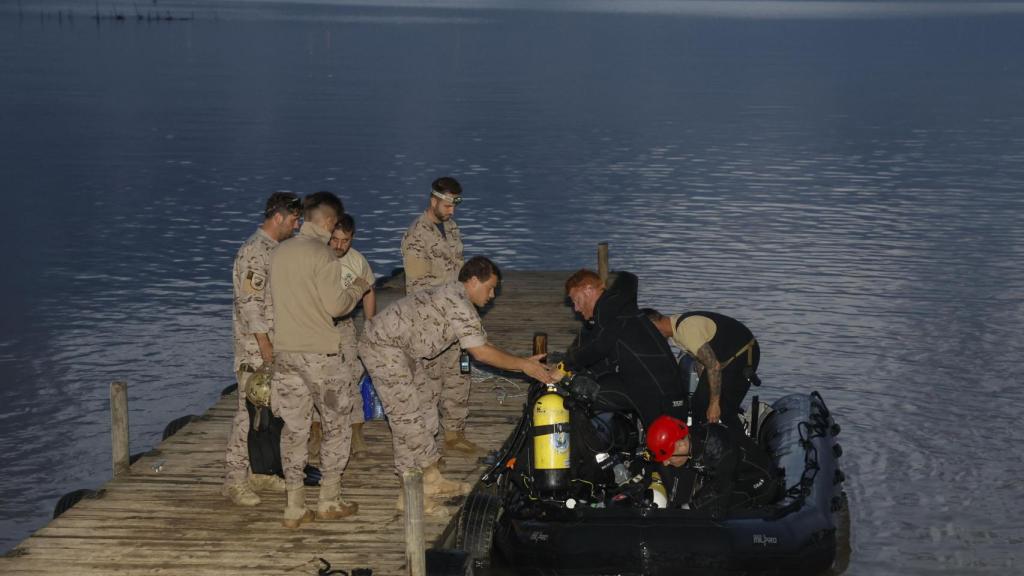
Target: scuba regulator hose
column 519, row 435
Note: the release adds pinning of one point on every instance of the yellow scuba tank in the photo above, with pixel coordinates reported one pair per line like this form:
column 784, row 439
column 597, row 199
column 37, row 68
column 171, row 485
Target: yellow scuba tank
column 550, row 443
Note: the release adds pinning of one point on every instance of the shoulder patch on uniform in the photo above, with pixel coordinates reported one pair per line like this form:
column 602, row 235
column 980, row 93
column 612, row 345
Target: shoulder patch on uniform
column 257, row 281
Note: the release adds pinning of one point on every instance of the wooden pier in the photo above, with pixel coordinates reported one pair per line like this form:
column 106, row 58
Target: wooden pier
column 167, row 516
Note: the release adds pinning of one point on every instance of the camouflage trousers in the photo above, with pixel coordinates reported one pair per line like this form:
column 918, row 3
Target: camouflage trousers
column 443, row 372
column 410, row 402
column 236, row 457
column 302, row 382
column 353, row 370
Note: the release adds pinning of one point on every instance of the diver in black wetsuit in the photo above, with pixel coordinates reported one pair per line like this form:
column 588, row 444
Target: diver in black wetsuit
column 710, row 468
column 632, row 363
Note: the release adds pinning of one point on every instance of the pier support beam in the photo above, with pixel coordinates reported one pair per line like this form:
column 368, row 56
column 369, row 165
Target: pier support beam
column 415, row 544
column 602, row 261
column 540, row 343
column 119, row 428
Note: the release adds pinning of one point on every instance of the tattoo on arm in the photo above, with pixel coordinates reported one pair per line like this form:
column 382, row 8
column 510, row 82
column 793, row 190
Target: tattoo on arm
column 706, row 356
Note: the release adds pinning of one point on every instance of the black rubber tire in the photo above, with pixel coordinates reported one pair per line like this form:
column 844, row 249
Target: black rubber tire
column 475, row 530
column 177, row 424
column 70, row 499
column 447, row 562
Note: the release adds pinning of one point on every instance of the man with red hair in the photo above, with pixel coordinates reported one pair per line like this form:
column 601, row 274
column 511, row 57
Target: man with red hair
column 631, row 362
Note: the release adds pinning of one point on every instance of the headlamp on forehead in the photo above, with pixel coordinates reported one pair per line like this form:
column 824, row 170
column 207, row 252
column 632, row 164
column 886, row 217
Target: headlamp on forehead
column 455, row 199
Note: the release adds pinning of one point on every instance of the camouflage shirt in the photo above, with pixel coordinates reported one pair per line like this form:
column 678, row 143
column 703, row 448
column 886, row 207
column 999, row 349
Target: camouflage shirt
column 429, row 258
column 354, row 265
column 253, row 309
column 426, row 323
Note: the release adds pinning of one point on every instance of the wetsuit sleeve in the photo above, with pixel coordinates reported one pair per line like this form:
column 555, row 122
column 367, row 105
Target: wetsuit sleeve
column 590, row 349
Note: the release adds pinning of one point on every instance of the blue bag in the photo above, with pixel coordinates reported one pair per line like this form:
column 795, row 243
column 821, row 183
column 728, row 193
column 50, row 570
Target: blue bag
column 372, row 408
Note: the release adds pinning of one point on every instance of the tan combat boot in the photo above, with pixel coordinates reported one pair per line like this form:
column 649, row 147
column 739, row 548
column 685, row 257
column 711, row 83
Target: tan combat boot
column 295, row 513
column 267, row 483
column 330, row 505
column 456, row 440
column 358, row 442
column 436, row 485
column 430, row 506
column 240, row 494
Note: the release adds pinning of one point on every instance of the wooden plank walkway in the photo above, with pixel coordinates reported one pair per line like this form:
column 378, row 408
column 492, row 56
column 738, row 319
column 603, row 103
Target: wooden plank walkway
column 168, row 517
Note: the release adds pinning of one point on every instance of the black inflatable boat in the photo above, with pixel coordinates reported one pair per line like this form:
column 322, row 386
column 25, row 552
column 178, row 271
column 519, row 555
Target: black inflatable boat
column 505, row 523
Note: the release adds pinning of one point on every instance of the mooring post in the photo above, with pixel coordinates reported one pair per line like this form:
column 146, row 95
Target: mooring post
column 415, row 551
column 602, row 261
column 119, row 427
column 540, row 343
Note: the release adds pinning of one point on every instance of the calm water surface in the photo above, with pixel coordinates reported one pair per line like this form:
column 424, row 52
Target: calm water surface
column 845, row 177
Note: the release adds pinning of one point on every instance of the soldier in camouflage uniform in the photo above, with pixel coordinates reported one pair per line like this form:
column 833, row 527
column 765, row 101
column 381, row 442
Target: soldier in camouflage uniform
column 308, row 285
column 355, row 266
column 253, row 320
column 432, row 255
column 397, row 347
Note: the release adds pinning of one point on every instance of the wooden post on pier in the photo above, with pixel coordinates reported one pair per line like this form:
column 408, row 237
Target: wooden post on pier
column 540, row 343
column 415, row 544
column 602, row 261
column 119, row 427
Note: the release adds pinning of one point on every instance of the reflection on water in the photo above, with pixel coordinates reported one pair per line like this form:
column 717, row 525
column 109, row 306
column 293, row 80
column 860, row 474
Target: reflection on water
column 849, row 188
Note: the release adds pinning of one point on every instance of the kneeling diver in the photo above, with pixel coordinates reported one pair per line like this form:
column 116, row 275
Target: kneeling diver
column 626, row 355
column 707, row 467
